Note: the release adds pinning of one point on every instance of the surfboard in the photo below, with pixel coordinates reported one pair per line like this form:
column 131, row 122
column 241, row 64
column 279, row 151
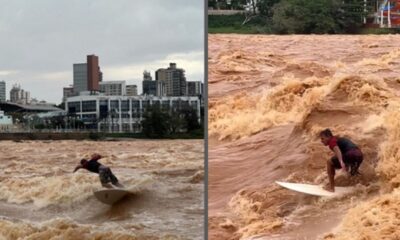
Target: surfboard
column 315, row 190
column 110, row 196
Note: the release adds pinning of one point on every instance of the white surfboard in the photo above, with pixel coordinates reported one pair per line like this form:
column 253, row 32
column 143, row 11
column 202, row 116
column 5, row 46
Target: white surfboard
column 110, row 196
column 316, row 190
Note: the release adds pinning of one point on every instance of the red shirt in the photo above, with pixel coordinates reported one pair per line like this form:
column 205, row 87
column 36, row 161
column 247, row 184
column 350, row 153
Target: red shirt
column 332, row 142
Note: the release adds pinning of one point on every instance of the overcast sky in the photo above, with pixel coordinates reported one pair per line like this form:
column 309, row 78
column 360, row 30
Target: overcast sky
column 41, row 39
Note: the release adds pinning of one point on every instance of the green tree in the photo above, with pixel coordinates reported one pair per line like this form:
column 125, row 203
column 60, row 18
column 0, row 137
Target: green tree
column 317, row 16
column 303, row 16
column 265, row 7
column 177, row 122
column 350, row 15
column 191, row 119
column 155, row 122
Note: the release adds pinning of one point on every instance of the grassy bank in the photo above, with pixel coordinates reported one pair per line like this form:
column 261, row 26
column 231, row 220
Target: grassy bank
column 233, row 24
column 197, row 134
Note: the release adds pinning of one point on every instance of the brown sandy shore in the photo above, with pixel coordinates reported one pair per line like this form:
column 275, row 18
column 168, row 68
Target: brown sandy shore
column 40, row 197
column 269, row 96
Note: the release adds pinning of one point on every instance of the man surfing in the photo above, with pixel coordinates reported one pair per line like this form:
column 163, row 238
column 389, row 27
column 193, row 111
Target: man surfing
column 348, row 156
column 105, row 174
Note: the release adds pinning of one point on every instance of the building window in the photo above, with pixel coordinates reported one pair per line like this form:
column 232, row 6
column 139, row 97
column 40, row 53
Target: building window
column 175, row 104
column 89, row 106
column 125, row 105
column 89, row 117
column 114, row 105
column 184, row 104
column 135, row 105
column 135, row 113
column 74, row 107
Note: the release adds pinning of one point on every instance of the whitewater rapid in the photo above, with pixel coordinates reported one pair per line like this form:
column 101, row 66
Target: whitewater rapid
column 269, row 96
column 41, row 197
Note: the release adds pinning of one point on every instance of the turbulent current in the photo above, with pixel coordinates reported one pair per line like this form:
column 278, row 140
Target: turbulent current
column 40, row 197
column 269, row 96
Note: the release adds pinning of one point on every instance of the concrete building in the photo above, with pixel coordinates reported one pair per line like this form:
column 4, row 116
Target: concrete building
column 131, row 90
column 173, row 79
column 2, row 91
column 122, row 113
column 80, row 77
column 87, row 76
column 67, row 92
column 160, row 88
column 194, row 88
column 18, row 95
column 6, row 123
column 113, row 88
column 93, row 70
column 149, row 87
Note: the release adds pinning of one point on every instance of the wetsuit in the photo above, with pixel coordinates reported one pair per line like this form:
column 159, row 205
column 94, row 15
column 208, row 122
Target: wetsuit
column 351, row 154
column 104, row 172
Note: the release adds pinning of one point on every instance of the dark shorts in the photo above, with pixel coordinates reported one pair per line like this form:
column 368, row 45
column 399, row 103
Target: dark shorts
column 107, row 176
column 352, row 158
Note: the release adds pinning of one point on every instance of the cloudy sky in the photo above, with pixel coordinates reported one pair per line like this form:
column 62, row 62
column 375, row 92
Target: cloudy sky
column 41, row 39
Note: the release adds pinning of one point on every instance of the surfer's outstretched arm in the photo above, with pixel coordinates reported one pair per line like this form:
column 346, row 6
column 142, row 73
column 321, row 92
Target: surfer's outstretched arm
column 77, row 168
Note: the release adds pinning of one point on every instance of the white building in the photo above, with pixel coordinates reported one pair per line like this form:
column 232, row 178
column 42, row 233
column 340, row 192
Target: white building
column 122, row 113
column 5, row 122
column 80, row 77
column 113, row 88
column 131, row 90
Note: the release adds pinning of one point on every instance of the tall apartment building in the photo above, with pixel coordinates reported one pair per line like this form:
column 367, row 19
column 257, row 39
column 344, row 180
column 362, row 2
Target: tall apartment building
column 87, row 76
column 113, row 88
column 80, row 77
column 131, row 90
column 18, row 95
column 68, row 92
column 93, row 70
column 194, row 88
column 172, row 79
column 149, row 86
column 2, row 91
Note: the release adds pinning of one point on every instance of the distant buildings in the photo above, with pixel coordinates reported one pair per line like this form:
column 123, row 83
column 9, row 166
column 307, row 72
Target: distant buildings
column 80, row 77
column 113, row 88
column 122, row 113
column 194, row 88
column 93, row 70
column 172, row 79
column 68, row 92
column 2, row 91
column 149, row 86
column 131, row 90
column 169, row 82
column 87, row 75
column 18, row 95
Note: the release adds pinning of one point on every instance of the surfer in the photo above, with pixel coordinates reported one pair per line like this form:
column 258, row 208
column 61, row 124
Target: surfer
column 105, row 174
column 348, row 156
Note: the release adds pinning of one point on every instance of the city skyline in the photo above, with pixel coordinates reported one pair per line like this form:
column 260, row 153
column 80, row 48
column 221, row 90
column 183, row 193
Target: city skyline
column 38, row 52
